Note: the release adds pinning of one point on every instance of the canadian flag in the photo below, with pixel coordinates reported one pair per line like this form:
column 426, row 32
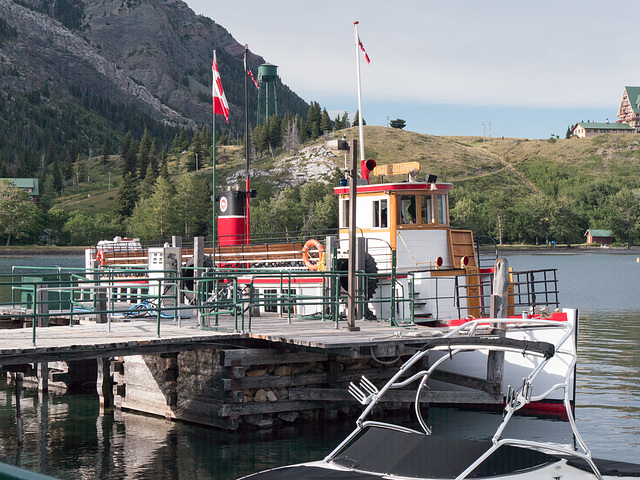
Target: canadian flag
column 250, row 73
column 220, row 105
column 366, row 57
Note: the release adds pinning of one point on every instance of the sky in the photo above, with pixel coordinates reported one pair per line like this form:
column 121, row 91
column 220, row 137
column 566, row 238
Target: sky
column 457, row 67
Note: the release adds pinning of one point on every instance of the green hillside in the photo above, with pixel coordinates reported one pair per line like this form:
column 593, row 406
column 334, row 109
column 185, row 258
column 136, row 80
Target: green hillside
column 519, row 190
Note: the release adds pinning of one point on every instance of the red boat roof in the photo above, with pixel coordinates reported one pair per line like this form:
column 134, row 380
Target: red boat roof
column 386, row 187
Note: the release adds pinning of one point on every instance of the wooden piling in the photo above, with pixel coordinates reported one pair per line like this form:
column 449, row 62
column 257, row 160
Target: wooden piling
column 43, row 376
column 499, row 306
column 104, row 384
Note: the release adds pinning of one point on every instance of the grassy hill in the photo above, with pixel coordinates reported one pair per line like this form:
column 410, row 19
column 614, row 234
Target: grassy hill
column 514, row 165
column 506, row 163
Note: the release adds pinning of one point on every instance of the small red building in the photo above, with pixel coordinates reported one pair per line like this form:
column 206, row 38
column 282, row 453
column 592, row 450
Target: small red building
column 603, row 237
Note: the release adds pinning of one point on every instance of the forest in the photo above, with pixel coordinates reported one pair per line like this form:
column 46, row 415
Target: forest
column 161, row 189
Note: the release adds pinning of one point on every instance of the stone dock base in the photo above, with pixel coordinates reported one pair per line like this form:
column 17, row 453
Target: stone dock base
column 232, row 388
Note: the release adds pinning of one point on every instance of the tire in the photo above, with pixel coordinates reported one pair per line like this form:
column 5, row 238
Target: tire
column 370, row 266
column 187, row 273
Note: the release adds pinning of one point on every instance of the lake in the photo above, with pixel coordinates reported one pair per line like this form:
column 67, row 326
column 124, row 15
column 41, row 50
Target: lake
column 67, row 438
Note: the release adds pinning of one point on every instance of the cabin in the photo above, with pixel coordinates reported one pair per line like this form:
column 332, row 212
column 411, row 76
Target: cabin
column 410, row 221
column 410, row 218
column 629, row 110
column 591, row 129
column 603, row 237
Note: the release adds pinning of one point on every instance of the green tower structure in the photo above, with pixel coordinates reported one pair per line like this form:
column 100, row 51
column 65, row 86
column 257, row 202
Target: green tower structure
column 267, row 76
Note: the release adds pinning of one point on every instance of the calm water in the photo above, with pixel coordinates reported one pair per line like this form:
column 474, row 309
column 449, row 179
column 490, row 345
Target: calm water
column 66, row 437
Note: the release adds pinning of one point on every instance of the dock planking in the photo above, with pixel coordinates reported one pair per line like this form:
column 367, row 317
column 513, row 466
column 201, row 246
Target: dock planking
column 137, row 337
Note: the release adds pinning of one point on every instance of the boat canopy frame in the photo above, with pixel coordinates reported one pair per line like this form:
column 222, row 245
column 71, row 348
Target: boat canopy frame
column 467, row 338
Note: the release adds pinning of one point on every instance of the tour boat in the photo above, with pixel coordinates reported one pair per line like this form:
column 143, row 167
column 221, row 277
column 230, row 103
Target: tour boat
column 413, row 270
column 380, row 450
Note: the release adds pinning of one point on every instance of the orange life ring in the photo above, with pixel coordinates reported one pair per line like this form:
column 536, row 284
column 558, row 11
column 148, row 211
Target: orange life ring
column 312, row 263
column 100, row 256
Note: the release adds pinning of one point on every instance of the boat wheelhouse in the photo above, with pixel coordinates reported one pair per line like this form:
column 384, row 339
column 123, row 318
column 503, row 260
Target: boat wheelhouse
column 406, row 227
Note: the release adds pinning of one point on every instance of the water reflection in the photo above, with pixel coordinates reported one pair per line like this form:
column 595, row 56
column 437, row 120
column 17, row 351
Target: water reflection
column 66, row 437
column 609, row 382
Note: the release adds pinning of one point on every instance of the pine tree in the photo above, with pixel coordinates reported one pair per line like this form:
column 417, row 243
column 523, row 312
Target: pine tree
column 274, row 133
column 67, row 166
column 106, row 150
column 47, row 193
column 143, row 155
column 127, row 196
column 57, row 176
column 356, row 119
column 147, row 184
column 345, row 120
column 153, row 157
column 325, row 122
column 130, row 156
column 314, row 120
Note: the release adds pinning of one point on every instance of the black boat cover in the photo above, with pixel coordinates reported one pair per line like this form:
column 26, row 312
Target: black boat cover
column 610, row 468
column 302, row 472
column 414, row 455
column 381, row 450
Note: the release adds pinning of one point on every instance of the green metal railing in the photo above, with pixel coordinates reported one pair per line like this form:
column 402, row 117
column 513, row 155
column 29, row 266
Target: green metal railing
column 106, row 292
column 11, row 472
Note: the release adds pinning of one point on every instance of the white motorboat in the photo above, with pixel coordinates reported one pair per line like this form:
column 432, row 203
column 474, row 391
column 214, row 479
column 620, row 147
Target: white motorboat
column 381, row 450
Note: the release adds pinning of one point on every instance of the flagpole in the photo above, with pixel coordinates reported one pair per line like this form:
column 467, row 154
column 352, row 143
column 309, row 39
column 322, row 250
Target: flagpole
column 360, row 116
column 246, row 117
column 213, row 176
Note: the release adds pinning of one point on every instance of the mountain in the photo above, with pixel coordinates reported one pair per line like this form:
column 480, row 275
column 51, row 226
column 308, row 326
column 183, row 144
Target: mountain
column 96, row 69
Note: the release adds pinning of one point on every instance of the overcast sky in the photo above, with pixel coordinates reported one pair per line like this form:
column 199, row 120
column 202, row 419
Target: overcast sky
column 529, row 68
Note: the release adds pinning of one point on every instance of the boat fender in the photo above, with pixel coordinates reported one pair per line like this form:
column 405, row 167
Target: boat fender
column 313, row 264
column 100, row 257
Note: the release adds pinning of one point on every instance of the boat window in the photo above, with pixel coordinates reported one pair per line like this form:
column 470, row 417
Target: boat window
column 442, row 209
column 407, row 209
column 288, row 301
column 344, row 221
column 380, row 214
column 426, row 208
column 271, row 305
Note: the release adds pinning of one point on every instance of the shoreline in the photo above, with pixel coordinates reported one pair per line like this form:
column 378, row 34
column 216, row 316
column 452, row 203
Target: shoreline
column 24, row 251
column 564, row 250
column 29, row 251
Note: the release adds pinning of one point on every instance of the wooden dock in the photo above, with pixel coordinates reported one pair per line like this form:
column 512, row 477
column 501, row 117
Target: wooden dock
column 139, row 336
column 280, row 372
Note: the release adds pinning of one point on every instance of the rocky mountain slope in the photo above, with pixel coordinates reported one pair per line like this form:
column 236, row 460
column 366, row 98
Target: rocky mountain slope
column 150, row 55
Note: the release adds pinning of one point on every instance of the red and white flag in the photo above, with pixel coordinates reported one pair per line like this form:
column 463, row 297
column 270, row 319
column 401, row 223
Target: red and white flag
column 366, row 57
column 250, row 73
column 220, row 105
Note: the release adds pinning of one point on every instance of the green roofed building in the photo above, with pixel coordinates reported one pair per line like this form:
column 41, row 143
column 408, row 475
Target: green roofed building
column 29, row 185
column 590, row 129
column 603, row 237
